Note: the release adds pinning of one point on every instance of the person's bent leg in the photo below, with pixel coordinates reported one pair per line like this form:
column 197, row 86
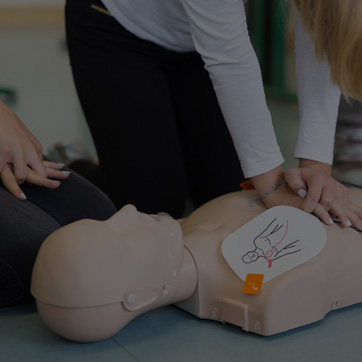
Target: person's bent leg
column 213, row 167
column 75, row 199
column 26, row 224
column 124, row 93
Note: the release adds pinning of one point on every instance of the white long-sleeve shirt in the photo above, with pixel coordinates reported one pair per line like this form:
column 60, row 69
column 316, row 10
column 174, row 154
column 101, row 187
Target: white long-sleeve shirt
column 217, row 30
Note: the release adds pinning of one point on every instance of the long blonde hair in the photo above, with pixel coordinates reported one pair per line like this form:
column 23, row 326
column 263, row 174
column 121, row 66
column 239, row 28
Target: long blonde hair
column 335, row 27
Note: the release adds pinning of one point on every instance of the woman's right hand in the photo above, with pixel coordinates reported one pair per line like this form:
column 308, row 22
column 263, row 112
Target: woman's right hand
column 287, row 195
column 263, row 183
column 21, row 158
column 323, row 195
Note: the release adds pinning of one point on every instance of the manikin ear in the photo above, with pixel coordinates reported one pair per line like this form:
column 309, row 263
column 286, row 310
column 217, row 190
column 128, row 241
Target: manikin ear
column 85, row 324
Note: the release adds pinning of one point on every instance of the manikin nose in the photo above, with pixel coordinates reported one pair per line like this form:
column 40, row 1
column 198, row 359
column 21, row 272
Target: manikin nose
column 158, row 217
column 164, row 214
column 129, row 209
column 123, row 217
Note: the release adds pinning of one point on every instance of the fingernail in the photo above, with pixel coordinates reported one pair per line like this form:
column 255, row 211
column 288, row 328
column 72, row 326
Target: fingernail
column 67, row 172
column 56, row 181
column 331, row 221
column 348, row 223
column 302, row 193
column 22, row 195
column 61, row 164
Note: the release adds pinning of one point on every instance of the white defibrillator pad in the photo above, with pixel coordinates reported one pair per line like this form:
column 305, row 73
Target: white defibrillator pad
column 274, row 242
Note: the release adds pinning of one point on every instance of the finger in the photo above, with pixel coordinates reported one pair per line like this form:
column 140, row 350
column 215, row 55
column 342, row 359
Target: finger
column 312, row 199
column 356, row 209
column 316, row 186
column 3, row 163
column 323, row 215
column 36, row 164
column 354, row 216
column 19, row 168
column 36, row 179
column 295, row 181
column 341, row 213
column 58, row 174
column 53, row 165
column 335, row 199
column 9, row 181
column 356, row 221
column 327, row 198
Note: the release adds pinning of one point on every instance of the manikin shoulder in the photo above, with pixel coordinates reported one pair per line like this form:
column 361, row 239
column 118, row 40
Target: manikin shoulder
column 222, row 216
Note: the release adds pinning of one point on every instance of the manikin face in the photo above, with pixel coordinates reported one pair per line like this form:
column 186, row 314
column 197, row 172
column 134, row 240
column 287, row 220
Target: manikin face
column 90, row 262
column 128, row 221
column 92, row 277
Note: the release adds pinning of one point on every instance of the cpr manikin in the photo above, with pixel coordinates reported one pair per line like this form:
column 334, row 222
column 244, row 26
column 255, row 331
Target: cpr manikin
column 92, row 277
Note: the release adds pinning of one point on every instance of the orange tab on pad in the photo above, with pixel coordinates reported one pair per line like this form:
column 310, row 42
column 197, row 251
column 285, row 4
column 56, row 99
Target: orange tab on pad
column 253, row 283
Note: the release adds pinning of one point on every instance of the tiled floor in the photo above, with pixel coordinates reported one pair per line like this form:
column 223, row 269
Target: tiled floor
column 170, row 334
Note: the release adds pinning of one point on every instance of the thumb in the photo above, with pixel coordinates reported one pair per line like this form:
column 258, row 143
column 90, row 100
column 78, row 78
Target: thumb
column 295, row 181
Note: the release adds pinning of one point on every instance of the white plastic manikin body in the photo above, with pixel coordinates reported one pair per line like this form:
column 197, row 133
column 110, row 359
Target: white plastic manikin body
column 91, row 278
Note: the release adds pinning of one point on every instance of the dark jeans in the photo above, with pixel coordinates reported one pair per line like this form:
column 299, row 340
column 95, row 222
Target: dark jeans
column 25, row 224
column 153, row 114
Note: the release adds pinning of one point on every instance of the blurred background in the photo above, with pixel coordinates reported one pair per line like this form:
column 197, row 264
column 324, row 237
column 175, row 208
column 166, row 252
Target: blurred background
column 35, row 75
column 36, row 80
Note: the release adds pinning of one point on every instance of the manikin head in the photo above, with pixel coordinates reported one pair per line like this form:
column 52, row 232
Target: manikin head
column 92, row 277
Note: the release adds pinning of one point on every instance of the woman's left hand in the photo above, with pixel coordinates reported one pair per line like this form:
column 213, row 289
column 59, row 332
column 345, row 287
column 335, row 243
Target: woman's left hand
column 53, row 170
column 313, row 182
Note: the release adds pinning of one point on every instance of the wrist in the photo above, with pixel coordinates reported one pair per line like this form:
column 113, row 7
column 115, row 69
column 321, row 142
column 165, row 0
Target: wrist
column 320, row 166
column 265, row 181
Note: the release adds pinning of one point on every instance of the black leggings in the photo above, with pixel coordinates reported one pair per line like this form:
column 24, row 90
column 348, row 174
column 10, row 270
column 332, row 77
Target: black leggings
column 25, row 225
column 153, row 114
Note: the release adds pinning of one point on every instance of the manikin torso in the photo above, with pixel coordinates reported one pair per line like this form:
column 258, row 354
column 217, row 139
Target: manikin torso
column 298, row 297
column 150, row 268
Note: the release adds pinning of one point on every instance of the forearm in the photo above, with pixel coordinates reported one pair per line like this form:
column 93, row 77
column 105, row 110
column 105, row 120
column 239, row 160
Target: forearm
column 318, row 100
